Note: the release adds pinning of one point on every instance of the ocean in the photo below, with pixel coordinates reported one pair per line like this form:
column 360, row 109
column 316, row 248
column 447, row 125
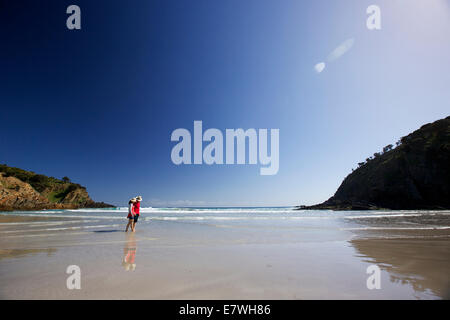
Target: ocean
column 259, row 218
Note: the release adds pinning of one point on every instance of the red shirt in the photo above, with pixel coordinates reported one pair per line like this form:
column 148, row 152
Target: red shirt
column 137, row 207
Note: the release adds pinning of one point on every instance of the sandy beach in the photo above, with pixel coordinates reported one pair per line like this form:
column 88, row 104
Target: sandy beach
column 225, row 254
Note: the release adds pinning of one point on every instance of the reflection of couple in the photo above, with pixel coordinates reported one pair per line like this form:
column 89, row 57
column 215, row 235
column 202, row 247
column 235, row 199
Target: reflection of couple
column 134, row 207
column 129, row 253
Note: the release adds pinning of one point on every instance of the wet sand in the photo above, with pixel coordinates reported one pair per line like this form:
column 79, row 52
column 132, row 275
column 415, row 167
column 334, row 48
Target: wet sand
column 422, row 263
column 172, row 260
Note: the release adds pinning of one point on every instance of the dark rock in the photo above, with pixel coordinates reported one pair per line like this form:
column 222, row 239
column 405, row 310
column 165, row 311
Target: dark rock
column 414, row 175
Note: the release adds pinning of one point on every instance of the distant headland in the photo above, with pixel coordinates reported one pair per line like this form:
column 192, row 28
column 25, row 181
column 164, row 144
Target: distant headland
column 413, row 175
column 26, row 190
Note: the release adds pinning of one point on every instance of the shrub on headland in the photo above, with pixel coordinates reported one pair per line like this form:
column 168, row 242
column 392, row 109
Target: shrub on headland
column 54, row 192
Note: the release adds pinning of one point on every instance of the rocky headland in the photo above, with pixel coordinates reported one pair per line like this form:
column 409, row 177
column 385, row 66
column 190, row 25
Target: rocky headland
column 415, row 174
column 26, row 190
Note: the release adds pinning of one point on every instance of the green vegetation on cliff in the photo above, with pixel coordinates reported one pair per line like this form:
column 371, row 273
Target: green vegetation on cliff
column 38, row 181
column 21, row 189
column 414, row 175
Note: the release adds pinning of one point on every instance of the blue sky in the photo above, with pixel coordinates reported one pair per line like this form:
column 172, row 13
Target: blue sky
column 99, row 104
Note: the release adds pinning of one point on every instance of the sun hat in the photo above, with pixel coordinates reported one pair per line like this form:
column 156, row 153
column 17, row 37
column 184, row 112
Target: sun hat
column 133, row 199
column 138, row 198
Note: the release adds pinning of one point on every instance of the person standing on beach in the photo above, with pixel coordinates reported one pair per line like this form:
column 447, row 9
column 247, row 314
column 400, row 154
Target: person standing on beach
column 131, row 215
column 137, row 210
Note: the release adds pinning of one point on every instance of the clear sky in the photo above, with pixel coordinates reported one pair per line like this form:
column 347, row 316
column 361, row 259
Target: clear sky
column 99, row 104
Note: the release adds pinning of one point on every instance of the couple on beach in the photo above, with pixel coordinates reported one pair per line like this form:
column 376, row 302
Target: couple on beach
column 134, row 207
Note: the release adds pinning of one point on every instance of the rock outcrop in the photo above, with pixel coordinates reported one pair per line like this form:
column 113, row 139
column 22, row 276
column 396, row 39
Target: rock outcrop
column 414, row 175
column 24, row 190
column 17, row 194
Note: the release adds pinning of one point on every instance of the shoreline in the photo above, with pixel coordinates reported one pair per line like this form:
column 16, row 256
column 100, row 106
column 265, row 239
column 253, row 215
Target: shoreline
column 363, row 207
column 56, row 206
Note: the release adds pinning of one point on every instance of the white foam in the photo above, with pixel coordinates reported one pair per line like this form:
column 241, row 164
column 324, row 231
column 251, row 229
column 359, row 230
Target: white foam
column 398, row 228
column 384, row 216
column 191, row 211
column 61, row 229
column 42, row 223
column 68, row 216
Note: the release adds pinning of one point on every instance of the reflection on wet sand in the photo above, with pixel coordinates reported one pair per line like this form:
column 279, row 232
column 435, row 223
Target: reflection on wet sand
column 424, row 264
column 19, row 253
column 129, row 253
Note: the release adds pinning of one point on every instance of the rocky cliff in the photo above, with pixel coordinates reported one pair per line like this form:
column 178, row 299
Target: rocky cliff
column 25, row 190
column 414, row 175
